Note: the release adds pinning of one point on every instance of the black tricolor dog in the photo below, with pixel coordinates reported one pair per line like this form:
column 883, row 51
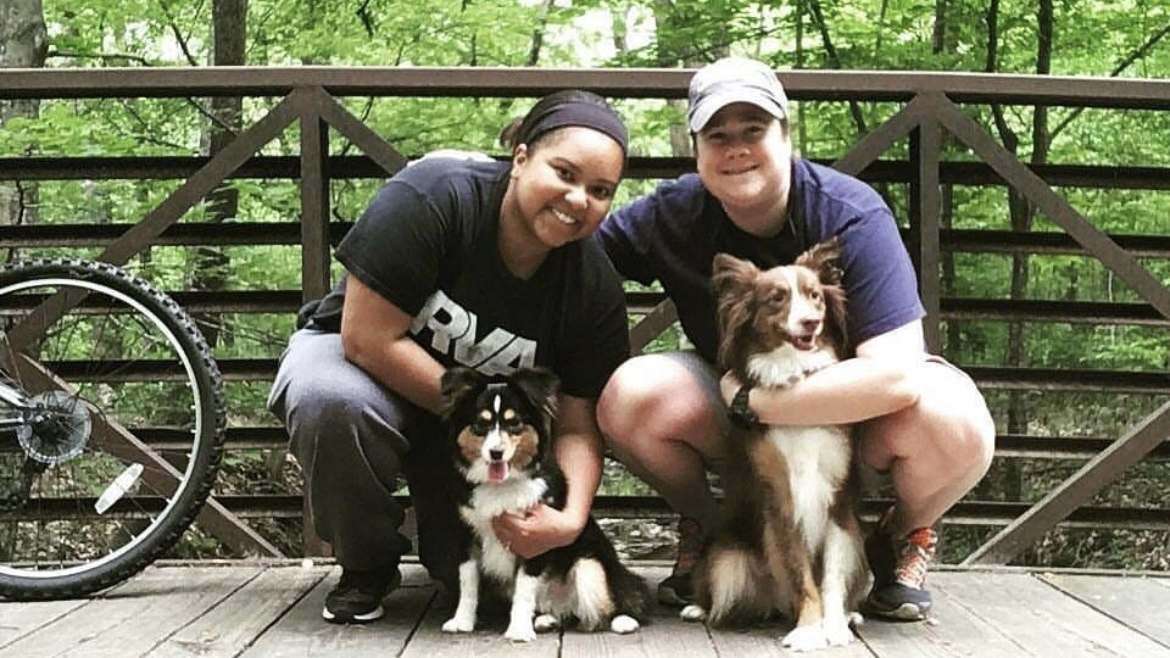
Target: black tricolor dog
column 502, row 430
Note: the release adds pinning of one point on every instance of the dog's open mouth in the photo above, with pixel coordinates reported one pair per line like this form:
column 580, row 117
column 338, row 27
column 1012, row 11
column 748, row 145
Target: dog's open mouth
column 497, row 471
column 804, row 341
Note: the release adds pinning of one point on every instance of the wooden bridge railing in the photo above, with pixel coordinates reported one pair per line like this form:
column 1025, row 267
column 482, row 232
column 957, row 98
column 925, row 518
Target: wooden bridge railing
column 929, row 110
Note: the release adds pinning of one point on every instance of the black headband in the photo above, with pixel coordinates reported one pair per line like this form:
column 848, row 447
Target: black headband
column 577, row 113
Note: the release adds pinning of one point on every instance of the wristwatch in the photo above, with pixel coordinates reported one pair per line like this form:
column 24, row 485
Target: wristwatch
column 739, row 412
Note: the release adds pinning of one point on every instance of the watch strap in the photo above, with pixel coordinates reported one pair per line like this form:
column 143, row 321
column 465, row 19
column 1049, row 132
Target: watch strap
column 740, row 412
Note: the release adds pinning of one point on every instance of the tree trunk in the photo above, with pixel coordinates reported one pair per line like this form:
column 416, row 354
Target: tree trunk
column 212, row 264
column 1010, row 481
column 881, row 29
column 801, row 131
column 23, row 44
column 671, row 54
column 1022, row 214
column 938, row 46
column 818, row 17
column 619, row 16
column 938, row 38
column 538, row 34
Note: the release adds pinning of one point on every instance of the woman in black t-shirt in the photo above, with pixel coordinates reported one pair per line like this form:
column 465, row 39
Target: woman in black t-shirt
column 484, row 264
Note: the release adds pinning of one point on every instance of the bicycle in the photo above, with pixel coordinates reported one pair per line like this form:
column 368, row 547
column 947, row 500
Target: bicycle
column 111, row 426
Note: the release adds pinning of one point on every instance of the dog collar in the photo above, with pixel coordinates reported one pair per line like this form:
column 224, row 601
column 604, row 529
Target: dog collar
column 739, row 412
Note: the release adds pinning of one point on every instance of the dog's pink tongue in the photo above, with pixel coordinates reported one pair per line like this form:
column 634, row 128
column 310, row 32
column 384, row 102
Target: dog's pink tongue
column 497, row 471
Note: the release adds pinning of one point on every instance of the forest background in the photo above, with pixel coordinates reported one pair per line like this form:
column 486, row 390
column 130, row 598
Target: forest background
column 1128, row 38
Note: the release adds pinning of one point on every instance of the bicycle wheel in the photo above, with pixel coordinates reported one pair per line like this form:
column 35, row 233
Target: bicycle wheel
column 121, row 448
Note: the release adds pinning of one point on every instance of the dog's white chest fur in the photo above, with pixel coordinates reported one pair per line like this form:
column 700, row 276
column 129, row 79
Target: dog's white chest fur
column 489, row 501
column 818, row 457
column 783, row 366
column 818, row 463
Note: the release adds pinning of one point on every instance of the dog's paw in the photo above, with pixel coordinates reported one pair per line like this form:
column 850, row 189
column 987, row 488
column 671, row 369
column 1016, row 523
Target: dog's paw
column 806, row 638
column 520, row 632
column 623, row 624
column 692, row 612
column 856, row 620
column 545, row 623
column 837, row 631
column 458, row 625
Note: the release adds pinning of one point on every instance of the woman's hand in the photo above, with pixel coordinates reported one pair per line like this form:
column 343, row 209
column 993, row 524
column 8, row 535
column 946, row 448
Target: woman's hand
column 538, row 529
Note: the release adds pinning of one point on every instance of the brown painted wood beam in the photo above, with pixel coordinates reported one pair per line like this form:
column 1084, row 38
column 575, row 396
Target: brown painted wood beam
column 171, row 167
column 168, row 212
column 880, row 139
column 1129, row 449
column 925, row 220
column 1074, row 492
column 314, row 184
column 1054, row 206
column 652, row 325
column 501, row 82
column 370, row 143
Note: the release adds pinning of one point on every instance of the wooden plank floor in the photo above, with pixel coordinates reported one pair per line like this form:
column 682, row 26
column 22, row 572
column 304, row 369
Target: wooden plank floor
column 259, row 609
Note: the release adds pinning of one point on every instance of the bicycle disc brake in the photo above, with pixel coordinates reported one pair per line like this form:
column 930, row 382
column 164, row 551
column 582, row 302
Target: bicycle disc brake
column 59, row 430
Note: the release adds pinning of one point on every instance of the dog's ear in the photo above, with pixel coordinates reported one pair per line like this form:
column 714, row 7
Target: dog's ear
column 540, row 386
column 730, row 275
column 456, row 385
column 822, row 258
column 835, row 317
column 734, row 282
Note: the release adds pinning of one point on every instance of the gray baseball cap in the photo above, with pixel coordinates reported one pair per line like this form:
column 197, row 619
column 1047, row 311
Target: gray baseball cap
column 734, row 80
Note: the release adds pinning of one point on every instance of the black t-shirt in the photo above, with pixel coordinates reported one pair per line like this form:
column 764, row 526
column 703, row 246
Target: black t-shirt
column 428, row 243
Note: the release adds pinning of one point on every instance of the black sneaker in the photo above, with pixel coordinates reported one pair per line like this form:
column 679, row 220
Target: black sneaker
column 677, row 589
column 357, row 599
column 899, row 568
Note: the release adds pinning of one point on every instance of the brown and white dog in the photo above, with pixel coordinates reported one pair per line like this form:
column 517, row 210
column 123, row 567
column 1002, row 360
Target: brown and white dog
column 790, row 539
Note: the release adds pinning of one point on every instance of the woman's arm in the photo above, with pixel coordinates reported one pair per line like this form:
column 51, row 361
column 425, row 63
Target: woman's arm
column 579, row 454
column 578, row 451
column 373, row 334
column 878, row 381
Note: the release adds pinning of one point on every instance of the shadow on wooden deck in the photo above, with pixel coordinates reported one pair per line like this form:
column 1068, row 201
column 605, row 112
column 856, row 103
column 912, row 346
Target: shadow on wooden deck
column 265, row 609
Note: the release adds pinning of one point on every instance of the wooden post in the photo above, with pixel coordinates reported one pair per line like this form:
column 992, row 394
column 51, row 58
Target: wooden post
column 925, row 198
column 315, row 254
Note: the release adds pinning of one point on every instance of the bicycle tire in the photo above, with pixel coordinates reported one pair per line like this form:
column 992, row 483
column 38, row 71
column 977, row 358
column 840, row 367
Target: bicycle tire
column 61, row 574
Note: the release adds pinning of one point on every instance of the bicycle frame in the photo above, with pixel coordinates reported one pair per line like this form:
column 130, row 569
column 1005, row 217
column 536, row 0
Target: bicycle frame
column 15, row 403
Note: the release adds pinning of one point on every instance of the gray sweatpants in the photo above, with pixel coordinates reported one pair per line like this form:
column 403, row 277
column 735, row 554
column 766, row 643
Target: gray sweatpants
column 353, row 438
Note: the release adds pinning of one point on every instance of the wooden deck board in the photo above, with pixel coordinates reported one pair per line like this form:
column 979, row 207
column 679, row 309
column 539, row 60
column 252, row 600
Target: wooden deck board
column 666, row 636
column 952, row 631
column 266, row 610
column 19, row 620
column 1042, row 620
column 1142, row 604
column 234, row 624
column 763, row 641
column 302, row 631
column 487, row 641
column 135, row 617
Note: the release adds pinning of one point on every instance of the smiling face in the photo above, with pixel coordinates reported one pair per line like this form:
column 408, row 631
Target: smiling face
column 744, row 158
column 562, row 188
